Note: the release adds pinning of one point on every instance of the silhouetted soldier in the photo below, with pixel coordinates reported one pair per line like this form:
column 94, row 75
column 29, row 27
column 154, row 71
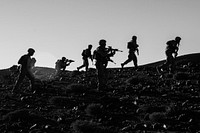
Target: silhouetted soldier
column 85, row 55
column 102, row 56
column 62, row 64
column 133, row 47
column 171, row 53
column 26, row 64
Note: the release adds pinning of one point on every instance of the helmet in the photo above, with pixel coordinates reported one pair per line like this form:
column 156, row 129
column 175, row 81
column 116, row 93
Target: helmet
column 177, row 38
column 89, row 46
column 31, row 50
column 63, row 58
column 102, row 42
column 134, row 37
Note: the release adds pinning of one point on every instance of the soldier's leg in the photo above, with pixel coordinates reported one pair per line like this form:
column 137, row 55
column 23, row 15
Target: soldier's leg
column 162, row 67
column 100, row 75
column 105, row 74
column 172, row 66
column 84, row 64
column 127, row 61
column 32, row 79
column 135, row 61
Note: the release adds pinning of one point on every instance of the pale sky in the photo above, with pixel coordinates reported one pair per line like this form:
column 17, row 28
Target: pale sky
column 57, row 28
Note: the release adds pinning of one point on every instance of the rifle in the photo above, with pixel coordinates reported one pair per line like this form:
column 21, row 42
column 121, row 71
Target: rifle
column 70, row 61
column 114, row 50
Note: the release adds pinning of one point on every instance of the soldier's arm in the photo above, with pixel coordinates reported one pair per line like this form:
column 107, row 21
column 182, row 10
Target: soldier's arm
column 90, row 56
column 137, row 51
column 112, row 53
column 67, row 63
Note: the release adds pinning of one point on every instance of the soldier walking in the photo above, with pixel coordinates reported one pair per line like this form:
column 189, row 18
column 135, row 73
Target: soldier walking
column 133, row 47
column 171, row 53
column 102, row 56
column 26, row 65
column 85, row 55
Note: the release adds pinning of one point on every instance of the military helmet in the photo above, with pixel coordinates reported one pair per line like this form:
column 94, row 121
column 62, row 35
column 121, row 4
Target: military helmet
column 90, row 46
column 63, row 58
column 102, row 42
column 177, row 38
column 134, row 37
column 31, row 50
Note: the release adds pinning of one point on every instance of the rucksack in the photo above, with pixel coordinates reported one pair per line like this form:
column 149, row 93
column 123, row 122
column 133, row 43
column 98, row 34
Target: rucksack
column 132, row 45
column 172, row 44
column 22, row 60
column 94, row 56
column 83, row 52
column 58, row 64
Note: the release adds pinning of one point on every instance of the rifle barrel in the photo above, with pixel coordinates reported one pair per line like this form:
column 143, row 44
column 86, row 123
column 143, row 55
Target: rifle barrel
column 116, row 50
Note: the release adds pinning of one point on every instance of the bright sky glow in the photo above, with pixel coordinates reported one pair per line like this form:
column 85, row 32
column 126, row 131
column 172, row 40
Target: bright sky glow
column 56, row 28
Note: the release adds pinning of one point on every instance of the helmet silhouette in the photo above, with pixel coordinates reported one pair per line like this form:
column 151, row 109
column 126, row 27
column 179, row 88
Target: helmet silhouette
column 134, row 37
column 102, row 42
column 63, row 58
column 177, row 38
column 31, row 50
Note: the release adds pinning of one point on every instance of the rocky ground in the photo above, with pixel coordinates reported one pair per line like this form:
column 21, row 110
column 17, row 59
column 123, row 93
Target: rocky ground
column 133, row 101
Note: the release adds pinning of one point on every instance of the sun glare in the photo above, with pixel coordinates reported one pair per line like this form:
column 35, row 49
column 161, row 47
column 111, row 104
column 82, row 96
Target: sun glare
column 45, row 59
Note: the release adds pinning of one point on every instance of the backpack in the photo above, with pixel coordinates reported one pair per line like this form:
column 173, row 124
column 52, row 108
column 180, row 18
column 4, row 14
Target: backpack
column 171, row 42
column 83, row 52
column 171, row 45
column 58, row 62
column 132, row 45
column 94, row 56
column 22, row 60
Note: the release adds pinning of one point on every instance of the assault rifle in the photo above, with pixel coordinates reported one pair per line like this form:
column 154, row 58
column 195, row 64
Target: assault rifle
column 70, row 61
column 114, row 50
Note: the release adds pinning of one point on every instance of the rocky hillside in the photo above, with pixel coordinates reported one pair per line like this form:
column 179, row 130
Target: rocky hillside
column 133, row 101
